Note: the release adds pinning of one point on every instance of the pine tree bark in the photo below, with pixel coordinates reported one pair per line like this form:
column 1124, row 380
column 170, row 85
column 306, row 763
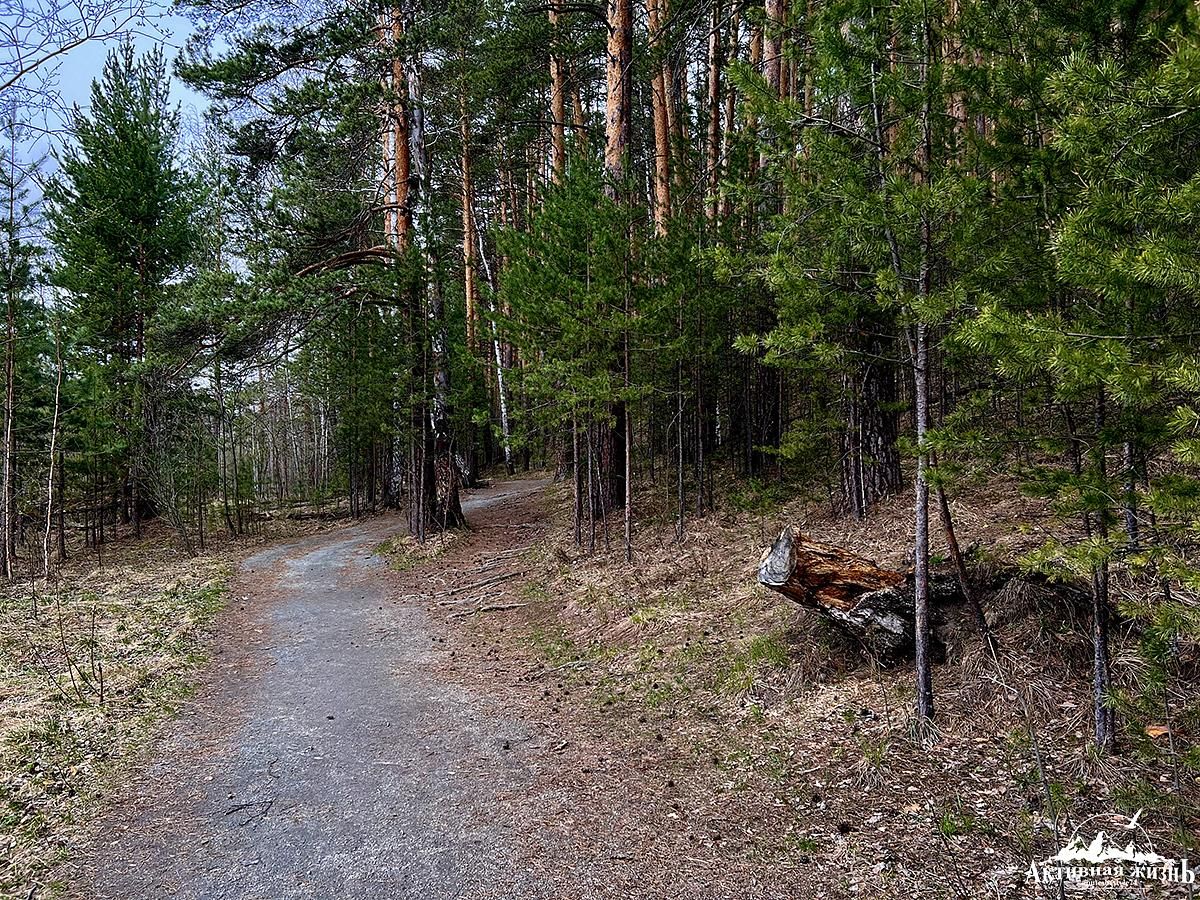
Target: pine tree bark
column 773, row 46
column 391, row 210
column 728, row 133
column 558, row 95
column 618, row 98
column 401, row 146
column 712, row 163
column 956, row 102
column 618, row 115
column 440, row 504
column 655, row 10
column 753, row 163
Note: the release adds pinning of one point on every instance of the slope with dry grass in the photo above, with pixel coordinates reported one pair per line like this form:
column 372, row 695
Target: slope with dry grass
column 741, row 746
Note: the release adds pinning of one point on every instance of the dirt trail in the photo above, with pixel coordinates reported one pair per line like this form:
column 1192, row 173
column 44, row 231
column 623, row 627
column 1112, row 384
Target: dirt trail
column 322, row 755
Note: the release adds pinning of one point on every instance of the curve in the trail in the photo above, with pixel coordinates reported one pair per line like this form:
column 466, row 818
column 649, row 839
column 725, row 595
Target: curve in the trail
column 323, row 757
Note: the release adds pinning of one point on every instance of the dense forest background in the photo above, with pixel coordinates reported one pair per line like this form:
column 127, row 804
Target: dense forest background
column 845, row 247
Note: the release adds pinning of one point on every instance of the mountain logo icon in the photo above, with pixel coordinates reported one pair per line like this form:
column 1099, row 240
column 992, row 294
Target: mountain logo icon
column 1118, row 848
column 1126, row 842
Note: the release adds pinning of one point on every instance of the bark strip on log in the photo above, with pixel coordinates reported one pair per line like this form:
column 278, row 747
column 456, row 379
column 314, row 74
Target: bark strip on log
column 875, row 605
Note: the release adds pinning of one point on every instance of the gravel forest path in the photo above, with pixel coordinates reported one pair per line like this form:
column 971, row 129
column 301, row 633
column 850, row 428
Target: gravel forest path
column 323, row 755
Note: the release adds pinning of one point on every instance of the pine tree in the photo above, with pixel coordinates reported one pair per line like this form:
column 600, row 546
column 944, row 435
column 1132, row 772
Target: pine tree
column 20, row 265
column 868, row 252
column 1094, row 340
column 119, row 221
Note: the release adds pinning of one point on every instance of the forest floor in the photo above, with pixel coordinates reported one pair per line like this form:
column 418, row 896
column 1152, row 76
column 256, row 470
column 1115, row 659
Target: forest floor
column 501, row 714
column 714, row 740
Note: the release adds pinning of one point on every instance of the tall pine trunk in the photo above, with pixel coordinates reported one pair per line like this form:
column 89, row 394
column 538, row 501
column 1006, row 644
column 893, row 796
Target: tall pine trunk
column 773, row 46
column 728, row 134
column 402, row 148
column 617, row 124
column 470, row 274
column 920, row 347
column 659, row 99
column 558, row 95
column 442, row 505
column 618, row 97
column 712, row 162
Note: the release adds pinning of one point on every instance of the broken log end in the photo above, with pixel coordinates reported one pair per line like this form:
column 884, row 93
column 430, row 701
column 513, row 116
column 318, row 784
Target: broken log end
column 873, row 604
column 778, row 561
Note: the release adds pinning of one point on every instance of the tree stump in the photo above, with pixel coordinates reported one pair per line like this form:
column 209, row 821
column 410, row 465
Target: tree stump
column 873, row 604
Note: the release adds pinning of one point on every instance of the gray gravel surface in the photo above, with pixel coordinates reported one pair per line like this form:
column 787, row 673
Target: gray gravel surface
column 322, row 755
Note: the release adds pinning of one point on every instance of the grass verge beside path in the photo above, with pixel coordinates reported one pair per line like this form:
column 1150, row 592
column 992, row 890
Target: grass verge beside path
column 83, row 681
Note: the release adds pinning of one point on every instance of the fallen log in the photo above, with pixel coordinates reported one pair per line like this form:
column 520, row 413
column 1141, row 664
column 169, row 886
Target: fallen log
column 873, row 604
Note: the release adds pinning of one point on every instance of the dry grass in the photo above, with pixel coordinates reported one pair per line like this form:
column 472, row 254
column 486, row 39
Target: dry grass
column 404, row 552
column 740, row 747
column 773, row 750
column 89, row 664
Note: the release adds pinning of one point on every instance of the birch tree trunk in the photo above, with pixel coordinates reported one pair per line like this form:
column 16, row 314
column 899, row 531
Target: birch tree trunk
column 501, row 391
column 470, row 276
